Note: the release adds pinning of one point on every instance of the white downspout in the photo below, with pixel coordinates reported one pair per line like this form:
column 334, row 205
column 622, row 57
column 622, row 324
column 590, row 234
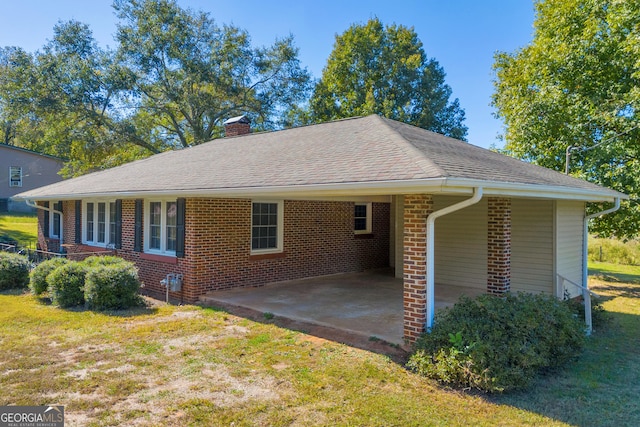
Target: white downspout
column 50, row 210
column 586, row 295
column 431, row 219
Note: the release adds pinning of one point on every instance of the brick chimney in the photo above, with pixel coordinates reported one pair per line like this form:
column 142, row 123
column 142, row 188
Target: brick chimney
column 235, row 126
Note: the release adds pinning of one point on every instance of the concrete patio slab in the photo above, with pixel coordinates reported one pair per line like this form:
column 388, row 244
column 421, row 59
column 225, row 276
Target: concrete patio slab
column 368, row 303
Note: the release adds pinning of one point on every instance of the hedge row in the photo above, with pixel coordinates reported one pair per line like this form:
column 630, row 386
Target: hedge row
column 99, row 282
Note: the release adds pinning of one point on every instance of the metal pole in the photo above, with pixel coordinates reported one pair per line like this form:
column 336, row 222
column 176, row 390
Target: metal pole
column 567, row 160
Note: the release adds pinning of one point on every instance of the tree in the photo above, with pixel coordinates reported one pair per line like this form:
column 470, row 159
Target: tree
column 384, row 70
column 577, row 84
column 189, row 75
column 173, row 78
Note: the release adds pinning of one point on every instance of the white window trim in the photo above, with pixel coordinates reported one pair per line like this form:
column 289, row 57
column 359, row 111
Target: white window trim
column 368, row 226
column 52, row 221
column 11, row 169
column 107, row 225
column 163, row 227
column 279, row 231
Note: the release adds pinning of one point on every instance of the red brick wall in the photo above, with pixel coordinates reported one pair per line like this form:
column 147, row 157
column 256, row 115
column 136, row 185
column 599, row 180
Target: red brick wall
column 499, row 246
column 318, row 240
column 416, row 210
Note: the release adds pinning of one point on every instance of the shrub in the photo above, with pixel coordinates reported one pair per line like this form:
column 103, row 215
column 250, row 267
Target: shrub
column 66, row 284
column 112, row 287
column 498, row 344
column 98, row 260
column 38, row 282
column 614, row 251
column 14, row 271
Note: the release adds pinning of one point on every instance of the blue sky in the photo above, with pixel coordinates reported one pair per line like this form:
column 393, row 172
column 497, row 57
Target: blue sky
column 461, row 35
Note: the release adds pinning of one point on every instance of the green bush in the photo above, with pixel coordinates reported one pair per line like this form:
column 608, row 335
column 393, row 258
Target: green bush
column 38, row 283
column 498, row 344
column 14, row 271
column 66, row 284
column 112, row 287
column 99, row 260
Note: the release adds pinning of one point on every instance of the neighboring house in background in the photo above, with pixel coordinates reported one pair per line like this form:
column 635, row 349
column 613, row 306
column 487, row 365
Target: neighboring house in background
column 22, row 170
column 336, row 197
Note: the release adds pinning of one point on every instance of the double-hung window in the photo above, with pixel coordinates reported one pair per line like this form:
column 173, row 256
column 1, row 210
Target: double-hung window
column 54, row 225
column 266, row 227
column 99, row 220
column 362, row 218
column 15, row 176
column 161, row 226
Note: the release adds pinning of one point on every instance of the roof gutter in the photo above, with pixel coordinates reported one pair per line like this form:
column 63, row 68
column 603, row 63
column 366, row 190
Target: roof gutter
column 431, row 219
column 585, row 270
column 446, row 185
column 50, row 210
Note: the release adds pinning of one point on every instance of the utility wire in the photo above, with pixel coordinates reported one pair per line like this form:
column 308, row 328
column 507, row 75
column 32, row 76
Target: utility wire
column 571, row 148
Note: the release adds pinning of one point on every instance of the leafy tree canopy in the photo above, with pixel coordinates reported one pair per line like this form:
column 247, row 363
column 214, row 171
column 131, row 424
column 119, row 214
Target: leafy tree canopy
column 375, row 69
column 577, row 84
column 173, row 78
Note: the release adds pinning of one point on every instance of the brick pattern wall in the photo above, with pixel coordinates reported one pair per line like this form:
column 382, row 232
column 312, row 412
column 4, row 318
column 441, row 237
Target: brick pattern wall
column 416, row 210
column 235, row 129
column 499, row 246
column 318, row 240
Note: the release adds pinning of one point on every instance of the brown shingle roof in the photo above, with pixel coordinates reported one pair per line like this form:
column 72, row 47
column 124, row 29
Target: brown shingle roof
column 366, row 150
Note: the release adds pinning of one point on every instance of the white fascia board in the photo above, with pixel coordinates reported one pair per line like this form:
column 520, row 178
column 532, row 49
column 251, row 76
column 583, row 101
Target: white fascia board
column 492, row 188
column 350, row 190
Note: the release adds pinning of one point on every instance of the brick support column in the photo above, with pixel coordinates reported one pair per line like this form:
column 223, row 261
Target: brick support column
column 416, row 210
column 499, row 246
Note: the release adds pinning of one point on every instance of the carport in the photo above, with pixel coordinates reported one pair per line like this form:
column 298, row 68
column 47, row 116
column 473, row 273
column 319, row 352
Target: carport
column 369, row 303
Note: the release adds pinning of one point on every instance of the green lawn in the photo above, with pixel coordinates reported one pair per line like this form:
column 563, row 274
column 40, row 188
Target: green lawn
column 170, row 365
column 20, row 227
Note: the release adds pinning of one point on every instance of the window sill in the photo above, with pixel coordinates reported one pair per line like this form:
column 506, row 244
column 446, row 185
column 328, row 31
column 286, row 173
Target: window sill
column 168, row 259
column 272, row 255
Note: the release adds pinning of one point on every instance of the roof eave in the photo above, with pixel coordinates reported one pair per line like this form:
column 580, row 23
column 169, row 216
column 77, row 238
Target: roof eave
column 369, row 188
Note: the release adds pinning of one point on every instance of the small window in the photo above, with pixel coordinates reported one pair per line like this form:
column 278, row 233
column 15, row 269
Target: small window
column 266, row 227
column 99, row 220
column 15, row 176
column 54, row 226
column 161, row 227
column 362, row 218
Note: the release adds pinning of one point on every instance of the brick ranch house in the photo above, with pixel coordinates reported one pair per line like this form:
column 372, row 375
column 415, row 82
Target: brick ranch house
column 343, row 196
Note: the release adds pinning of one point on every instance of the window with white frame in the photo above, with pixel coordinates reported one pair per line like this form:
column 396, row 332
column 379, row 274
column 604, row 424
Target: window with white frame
column 160, row 226
column 362, row 218
column 54, row 221
column 266, row 227
column 99, row 223
column 15, row 176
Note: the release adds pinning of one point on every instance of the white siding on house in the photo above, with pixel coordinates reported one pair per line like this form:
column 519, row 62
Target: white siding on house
column 461, row 244
column 532, row 246
column 569, row 237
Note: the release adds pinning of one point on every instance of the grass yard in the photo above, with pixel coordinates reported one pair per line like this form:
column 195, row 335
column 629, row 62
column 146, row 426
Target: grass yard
column 170, row 365
column 20, row 227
